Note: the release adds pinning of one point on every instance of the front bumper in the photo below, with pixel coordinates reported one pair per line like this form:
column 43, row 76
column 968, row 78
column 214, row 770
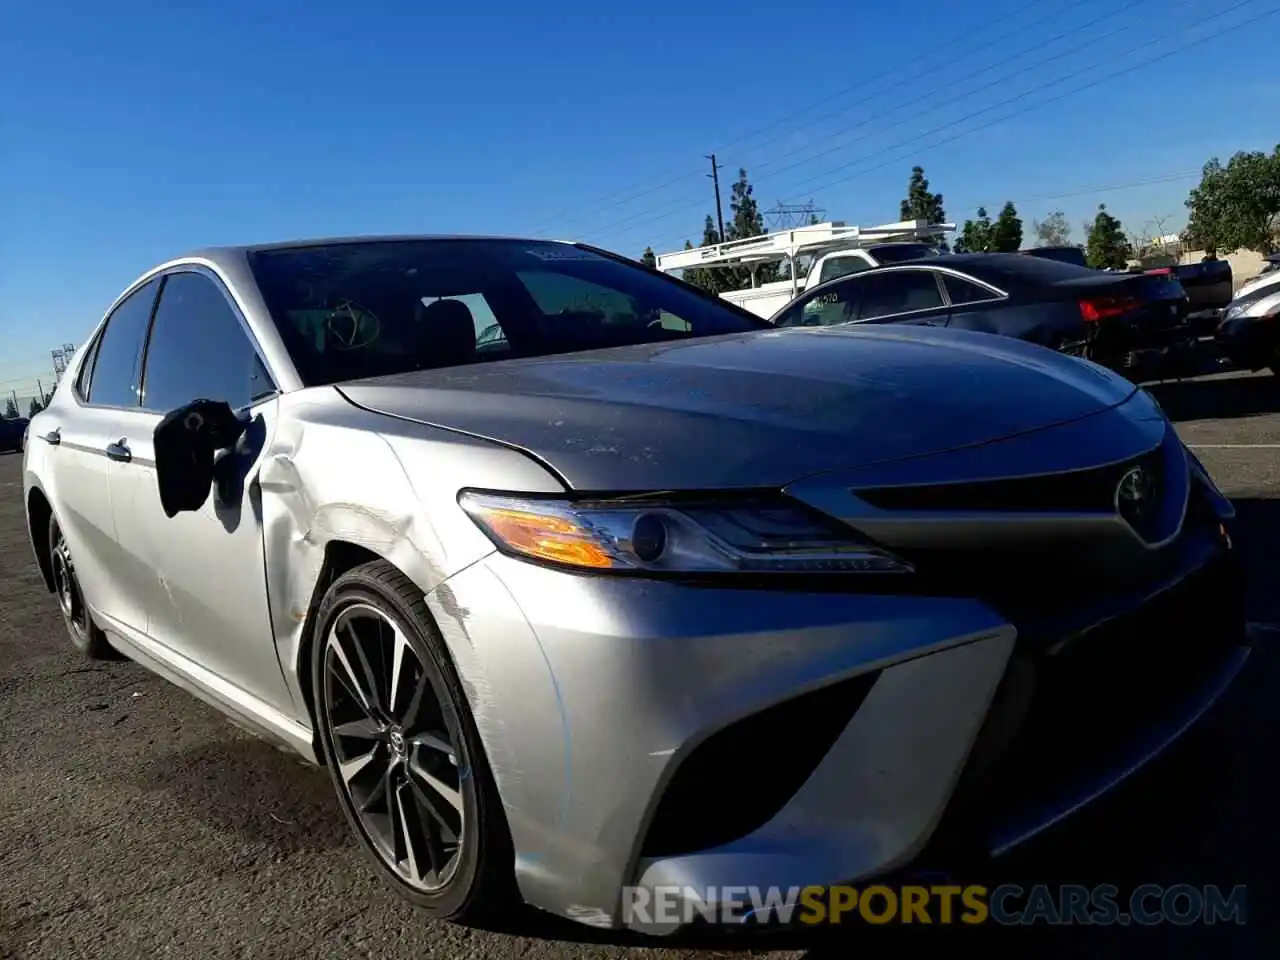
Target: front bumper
column 654, row 734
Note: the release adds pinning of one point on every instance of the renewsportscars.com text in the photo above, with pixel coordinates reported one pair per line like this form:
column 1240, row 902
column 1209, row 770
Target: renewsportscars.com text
column 664, row 909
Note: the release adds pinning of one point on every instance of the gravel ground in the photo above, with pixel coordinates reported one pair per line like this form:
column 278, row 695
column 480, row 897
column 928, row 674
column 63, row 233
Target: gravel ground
column 135, row 822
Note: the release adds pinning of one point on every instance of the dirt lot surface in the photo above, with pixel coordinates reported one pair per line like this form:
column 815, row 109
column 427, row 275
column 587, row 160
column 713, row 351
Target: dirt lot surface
column 135, row 822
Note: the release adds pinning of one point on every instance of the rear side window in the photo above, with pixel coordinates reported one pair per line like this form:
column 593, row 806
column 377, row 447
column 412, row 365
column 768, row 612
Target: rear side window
column 198, row 350
column 117, row 365
column 85, row 378
column 966, row 291
column 897, row 292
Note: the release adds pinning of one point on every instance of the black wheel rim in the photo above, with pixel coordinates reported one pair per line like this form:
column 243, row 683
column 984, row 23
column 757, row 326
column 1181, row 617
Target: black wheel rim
column 400, row 760
column 66, row 585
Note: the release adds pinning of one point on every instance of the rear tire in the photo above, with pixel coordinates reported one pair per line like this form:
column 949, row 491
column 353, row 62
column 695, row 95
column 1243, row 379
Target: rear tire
column 402, row 749
column 84, row 633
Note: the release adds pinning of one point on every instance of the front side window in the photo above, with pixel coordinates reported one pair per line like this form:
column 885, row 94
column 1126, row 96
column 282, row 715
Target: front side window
column 198, row 350
column 835, row 304
column 117, row 365
column 372, row 308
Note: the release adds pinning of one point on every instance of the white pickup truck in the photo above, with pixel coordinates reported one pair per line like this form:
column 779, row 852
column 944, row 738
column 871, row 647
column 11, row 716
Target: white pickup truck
column 810, row 255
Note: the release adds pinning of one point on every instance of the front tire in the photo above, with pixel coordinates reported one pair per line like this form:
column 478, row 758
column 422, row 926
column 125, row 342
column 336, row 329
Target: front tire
column 84, row 633
column 403, row 751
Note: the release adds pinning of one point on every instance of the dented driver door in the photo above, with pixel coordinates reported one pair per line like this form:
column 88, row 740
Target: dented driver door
column 206, row 590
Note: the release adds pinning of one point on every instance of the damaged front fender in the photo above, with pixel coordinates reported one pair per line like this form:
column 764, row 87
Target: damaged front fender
column 335, row 474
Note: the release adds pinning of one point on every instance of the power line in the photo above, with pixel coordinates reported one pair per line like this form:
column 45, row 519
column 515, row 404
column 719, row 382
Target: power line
column 1071, row 51
column 1058, row 96
column 1007, row 101
column 609, row 201
column 945, row 103
column 1087, row 191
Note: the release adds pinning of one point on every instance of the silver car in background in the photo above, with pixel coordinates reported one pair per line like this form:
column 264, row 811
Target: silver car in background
column 578, row 579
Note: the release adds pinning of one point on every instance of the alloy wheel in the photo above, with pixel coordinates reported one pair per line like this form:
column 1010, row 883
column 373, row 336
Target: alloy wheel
column 399, row 753
column 67, row 586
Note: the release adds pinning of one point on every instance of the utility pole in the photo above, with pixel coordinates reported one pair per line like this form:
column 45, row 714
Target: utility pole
column 715, row 179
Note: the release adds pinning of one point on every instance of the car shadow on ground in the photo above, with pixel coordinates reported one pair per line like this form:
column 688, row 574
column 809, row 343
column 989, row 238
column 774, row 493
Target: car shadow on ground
column 1226, row 398
column 281, row 804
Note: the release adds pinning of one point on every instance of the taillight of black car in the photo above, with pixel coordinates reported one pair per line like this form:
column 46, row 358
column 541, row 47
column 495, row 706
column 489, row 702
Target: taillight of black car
column 1150, row 301
column 1140, row 312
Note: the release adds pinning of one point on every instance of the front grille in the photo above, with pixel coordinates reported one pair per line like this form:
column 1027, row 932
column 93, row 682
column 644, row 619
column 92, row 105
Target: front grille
column 1077, row 490
column 737, row 780
column 1065, row 712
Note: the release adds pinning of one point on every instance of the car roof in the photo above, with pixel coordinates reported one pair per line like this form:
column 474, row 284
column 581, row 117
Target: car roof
column 223, row 254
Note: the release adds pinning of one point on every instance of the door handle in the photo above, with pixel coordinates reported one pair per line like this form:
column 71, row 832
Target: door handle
column 119, row 452
column 53, row 437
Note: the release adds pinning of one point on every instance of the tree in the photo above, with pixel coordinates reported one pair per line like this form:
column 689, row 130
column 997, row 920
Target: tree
column 711, row 279
column 648, row 258
column 1107, row 244
column 920, row 204
column 1006, row 235
column 10, row 409
column 1052, row 231
column 747, row 221
column 975, row 235
column 35, row 407
column 1237, row 206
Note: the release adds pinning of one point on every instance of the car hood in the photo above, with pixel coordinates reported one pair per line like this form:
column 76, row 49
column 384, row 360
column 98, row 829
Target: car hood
column 751, row 410
column 1268, row 281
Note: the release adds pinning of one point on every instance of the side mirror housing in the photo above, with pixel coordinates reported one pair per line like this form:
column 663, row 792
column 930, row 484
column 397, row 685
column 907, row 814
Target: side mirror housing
column 186, row 442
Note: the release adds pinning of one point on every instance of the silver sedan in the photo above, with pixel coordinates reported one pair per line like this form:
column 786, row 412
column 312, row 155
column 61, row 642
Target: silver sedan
column 582, row 582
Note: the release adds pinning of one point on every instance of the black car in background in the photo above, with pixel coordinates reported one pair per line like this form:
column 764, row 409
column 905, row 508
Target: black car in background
column 13, row 431
column 1128, row 322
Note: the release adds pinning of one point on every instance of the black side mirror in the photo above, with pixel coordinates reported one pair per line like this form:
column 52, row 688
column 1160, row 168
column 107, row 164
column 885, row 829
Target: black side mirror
column 186, row 442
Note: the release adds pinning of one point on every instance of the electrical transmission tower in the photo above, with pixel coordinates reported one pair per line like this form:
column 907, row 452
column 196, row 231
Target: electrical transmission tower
column 61, row 357
column 786, row 216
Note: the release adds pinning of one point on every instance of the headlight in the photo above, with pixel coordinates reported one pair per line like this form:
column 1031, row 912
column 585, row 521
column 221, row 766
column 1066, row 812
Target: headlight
column 642, row 535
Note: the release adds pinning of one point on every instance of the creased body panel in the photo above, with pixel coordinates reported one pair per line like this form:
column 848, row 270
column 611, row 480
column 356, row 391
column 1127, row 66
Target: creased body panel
column 335, row 473
column 592, row 690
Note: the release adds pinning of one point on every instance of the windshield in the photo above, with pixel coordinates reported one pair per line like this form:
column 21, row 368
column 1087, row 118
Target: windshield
column 902, row 252
column 1073, row 255
column 372, row 308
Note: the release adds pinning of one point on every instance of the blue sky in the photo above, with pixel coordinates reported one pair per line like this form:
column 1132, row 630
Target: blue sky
column 132, row 131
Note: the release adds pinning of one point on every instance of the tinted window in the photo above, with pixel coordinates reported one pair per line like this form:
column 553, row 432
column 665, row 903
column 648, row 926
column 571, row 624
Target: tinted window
column 999, row 267
column 884, row 294
column 371, row 308
column 86, row 370
column 198, row 350
column 903, row 252
column 965, row 291
column 838, row 304
column 1059, row 254
column 841, row 267
column 116, row 370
